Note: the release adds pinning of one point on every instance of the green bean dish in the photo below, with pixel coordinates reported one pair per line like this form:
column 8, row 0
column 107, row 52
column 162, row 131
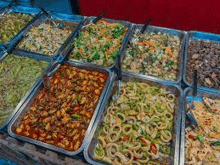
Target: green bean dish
column 17, row 75
column 137, row 128
column 154, row 54
column 99, row 43
column 11, row 24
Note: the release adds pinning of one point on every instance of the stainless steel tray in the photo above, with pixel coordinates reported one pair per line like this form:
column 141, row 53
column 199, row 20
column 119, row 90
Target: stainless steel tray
column 195, row 35
column 25, row 10
column 172, row 32
column 15, row 121
column 70, row 46
column 92, row 141
column 71, row 20
column 6, row 122
column 187, row 99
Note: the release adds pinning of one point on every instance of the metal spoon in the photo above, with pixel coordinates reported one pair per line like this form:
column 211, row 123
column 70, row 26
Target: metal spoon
column 119, row 77
column 47, row 76
column 52, row 19
column 189, row 115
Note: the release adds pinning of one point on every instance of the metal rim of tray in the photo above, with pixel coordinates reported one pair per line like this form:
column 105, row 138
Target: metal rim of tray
column 183, row 126
column 42, row 19
column 34, row 93
column 147, row 79
column 188, row 38
column 179, row 33
column 87, row 21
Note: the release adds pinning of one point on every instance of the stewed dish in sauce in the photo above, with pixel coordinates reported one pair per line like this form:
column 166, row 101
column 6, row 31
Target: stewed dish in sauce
column 60, row 114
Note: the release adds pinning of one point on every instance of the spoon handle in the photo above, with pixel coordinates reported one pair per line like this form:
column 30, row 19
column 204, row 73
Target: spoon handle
column 98, row 18
column 146, row 25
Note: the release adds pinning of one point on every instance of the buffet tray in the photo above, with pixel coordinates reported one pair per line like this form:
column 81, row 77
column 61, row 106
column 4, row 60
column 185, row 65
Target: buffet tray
column 24, row 10
column 196, row 35
column 187, row 98
column 126, row 77
column 172, row 32
column 88, row 20
column 6, row 122
column 15, row 121
column 70, row 20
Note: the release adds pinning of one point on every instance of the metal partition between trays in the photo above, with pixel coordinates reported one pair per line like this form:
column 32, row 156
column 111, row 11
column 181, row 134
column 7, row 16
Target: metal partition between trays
column 92, row 141
column 88, row 20
column 196, row 35
column 15, row 121
column 6, row 122
column 172, row 32
column 187, row 98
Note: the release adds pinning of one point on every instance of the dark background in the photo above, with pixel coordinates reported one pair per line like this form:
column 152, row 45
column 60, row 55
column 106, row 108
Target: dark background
column 201, row 15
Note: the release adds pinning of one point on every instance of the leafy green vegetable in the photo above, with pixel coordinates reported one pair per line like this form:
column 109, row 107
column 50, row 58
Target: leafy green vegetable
column 17, row 75
column 96, row 56
column 11, row 24
column 200, row 138
column 215, row 129
column 75, row 116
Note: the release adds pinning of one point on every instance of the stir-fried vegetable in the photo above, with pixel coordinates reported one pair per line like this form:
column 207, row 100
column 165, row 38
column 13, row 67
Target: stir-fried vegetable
column 99, row 43
column 17, row 74
column 45, row 39
column 153, row 54
column 11, row 24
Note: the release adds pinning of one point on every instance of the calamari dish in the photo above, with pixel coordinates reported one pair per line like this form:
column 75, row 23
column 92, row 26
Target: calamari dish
column 99, row 43
column 153, row 53
column 137, row 128
column 199, row 147
column 204, row 57
column 11, row 24
column 17, row 75
column 45, row 38
column 60, row 113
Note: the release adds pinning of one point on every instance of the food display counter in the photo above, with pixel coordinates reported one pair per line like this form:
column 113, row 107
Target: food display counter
column 59, row 76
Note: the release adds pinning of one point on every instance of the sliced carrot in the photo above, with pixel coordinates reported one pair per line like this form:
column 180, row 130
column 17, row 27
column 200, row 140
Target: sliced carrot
column 118, row 121
column 168, row 50
column 86, row 32
column 151, row 50
column 106, row 55
column 124, row 138
column 112, row 48
column 145, row 43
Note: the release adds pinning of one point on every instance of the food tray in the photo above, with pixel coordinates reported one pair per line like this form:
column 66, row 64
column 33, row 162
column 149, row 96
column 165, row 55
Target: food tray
column 187, row 98
column 72, row 20
column 24, row 109
column 195, row 35
column 69, row 48
column 172, row 32
column 92, row 141
column 24, row 10
column 6, row 122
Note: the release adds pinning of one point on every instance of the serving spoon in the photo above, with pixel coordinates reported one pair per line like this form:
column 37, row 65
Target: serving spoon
column 60, row 25
column 192, row 120
column 98, row 18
